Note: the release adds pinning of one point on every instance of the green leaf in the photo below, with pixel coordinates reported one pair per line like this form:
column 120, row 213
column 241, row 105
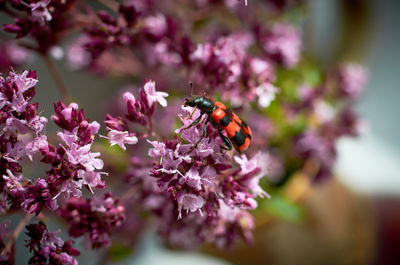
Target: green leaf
column 119, row 251
column 281, row 207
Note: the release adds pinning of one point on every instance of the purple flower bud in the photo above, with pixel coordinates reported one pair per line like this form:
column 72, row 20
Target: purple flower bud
column 12, row 28
column 115, row 123
column 94, row 218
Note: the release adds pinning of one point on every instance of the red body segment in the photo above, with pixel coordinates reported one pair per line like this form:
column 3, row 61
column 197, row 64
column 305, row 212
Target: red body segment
column 237, row 131
column 220, row 105
column 244, row 146
column 217, row 115
column 231, row 129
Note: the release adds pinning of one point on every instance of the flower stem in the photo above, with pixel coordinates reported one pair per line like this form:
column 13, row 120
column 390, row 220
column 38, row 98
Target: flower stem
column 151, row 126
column 57, row 78
column 17, row 231
column 151, row 131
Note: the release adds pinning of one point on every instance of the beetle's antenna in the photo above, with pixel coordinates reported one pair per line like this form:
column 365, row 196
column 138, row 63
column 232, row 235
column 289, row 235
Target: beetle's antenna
column 191, row 88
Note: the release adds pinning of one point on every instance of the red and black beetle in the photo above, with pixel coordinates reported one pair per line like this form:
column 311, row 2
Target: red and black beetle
column 238, row 132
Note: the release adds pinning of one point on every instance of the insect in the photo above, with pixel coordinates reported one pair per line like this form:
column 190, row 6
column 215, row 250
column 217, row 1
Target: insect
column 238, row 132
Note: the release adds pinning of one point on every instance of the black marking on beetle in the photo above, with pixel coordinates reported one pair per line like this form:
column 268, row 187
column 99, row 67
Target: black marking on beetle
column 244, row 125
column 225, row 121
column 239, row 138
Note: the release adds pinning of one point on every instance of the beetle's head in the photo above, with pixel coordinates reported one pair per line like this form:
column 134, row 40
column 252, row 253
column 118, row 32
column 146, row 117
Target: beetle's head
column 190, row 102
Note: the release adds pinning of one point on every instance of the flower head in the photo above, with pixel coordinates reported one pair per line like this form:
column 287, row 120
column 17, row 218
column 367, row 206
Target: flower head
column 48, row 248
column 266, row 94
column 352, row 79
column 94, row 218
column 283, row 43
column 153, row 95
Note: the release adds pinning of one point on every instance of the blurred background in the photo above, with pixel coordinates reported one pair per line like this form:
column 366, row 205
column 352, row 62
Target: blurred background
column 355, row 218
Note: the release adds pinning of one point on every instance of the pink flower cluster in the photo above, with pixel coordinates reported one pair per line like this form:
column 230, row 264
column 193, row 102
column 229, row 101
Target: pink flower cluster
column 12, row 55
column 72, row 164
column 330, row 121
column 224, row 63
column 48, row 248
column 139, row 111
column 21, row 135
column 198, row 189
column 352, row 80
column 45, row 21
column 95, row 218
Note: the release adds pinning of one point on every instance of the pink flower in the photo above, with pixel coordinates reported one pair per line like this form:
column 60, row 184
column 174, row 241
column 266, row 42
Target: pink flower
column 121, row 138
column 266, row 94
column 51, row 239
column 192, row 178
column 156, row 25
column 311, row 143
column 22, row 81
column 13, row 183
column 95, row 218
column 158, row 149
column 71, row 188
column 190, row 203
column 262, row 69
column 161, row 53
column 101, row 204
column 246, row 166
column 127, row 96
column 258, row 164
column 91, row 178
column 170, row 163
column 77, row 56
column 40, row 13
column 202, row 53
column 68, row 137
column 284, row 43
column 47, row 246
column 352, row 78
column 323, row 111
column 153, row 95
column 67, row 112
column 82, row 155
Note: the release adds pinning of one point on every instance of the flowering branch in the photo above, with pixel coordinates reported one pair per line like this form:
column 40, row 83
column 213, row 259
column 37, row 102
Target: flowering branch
column 173, row 172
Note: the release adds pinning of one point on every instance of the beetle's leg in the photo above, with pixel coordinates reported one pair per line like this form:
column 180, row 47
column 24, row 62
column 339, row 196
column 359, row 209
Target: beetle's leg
column 195, row 122
column 205, row 118
column 191, row 114
column 201, row 138
column 227, row 142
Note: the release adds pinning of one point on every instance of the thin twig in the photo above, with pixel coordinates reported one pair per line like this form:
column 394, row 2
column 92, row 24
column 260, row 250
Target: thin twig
column 9, row 12
column 57, row 78
column 17, row 231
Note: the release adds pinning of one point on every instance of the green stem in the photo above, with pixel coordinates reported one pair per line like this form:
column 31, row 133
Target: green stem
column 17, row 231
column 57, row 78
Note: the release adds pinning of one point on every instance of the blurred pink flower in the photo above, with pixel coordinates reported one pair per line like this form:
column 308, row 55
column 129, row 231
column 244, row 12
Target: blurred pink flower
column 266, row 94
column 352, row 79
